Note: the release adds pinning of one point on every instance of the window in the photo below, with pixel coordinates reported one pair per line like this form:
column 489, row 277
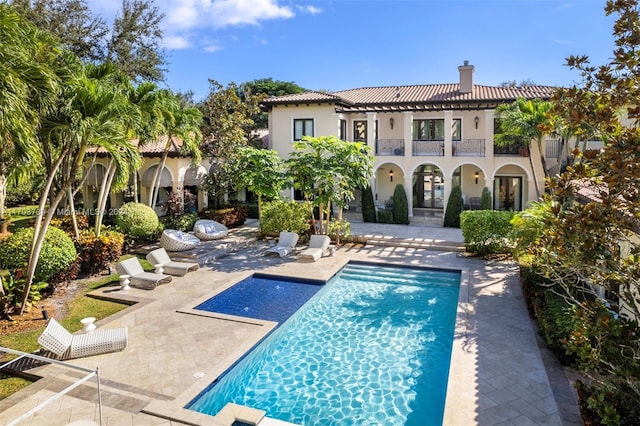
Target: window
column 360, row 130
column 456, row 129
column 428, row 130
column 302, row 127
column 343, row 130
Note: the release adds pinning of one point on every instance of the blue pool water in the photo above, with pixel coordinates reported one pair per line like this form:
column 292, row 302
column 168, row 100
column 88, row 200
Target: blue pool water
column 263, row 297
column 372, row 347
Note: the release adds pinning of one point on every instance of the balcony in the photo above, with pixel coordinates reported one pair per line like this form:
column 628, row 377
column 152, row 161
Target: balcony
column 392, row 147
column 428, row 148
column 468, row 148
column 510, row 150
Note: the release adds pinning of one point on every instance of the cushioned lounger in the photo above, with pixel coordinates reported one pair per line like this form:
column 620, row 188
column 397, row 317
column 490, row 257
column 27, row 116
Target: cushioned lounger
column 160, row 258
column 138, row 276
column 318, row 247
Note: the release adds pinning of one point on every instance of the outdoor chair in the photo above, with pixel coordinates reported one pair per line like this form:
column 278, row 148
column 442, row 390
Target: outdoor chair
column 286, row 244
column 319, row 245
column 209, row 230
column 57, row 340
column 161, row 260
column 173, row 240
column 138, row 276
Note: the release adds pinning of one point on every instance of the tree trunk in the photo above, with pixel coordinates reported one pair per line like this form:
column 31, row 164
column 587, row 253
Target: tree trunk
column 339, row 231
column 72, row 212
column 102, row 198
column 156, row 177
column 4, row 224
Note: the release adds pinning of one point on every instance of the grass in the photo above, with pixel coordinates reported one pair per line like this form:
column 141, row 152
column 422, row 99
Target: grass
column 80, row 307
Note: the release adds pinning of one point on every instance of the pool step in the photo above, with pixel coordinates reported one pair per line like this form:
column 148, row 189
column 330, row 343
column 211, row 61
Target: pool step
column 366, row 273
column 413, row 243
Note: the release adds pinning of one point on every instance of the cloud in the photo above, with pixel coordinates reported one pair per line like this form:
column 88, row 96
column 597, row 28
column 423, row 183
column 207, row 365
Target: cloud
column 176, row 42
column 211, row 48
column 310, row 9
column 185, row 14
column 560, row 41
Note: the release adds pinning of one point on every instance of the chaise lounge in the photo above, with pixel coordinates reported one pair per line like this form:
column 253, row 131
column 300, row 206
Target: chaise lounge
column 286, row 244
column 139, row 277
column 160, row 259
column 57, row 340
column 318, row 247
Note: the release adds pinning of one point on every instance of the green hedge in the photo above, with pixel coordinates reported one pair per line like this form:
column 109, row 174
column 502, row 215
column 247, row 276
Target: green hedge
column 285, row 216
column 400, row 206
column 487, row 231
column 137, row 220
column 57, row 254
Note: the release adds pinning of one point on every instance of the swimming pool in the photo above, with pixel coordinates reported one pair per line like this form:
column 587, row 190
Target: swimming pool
column 373, row 346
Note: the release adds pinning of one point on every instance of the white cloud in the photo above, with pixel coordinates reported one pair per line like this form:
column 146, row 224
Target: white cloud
column 176, row 42
column 211, row 48
column 310, row 9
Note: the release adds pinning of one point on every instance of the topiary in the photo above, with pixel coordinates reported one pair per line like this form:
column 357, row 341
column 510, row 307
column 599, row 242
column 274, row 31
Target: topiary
column 368, row 205
column 485, row 199
column 57, row 254
column 400, row 206
column 137, row 220
column 454, row 208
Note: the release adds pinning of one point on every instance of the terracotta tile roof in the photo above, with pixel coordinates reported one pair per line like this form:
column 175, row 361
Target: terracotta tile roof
column 416, row 97
column 150, row 149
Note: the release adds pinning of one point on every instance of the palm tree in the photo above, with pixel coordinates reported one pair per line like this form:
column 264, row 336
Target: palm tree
column 27, row 85
column 524, row 121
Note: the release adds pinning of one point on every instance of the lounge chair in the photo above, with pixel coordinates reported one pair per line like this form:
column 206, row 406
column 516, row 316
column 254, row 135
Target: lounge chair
column 173, row 240
column 286, row 244
column 57, row 340
column 209, row 230
column 318, row 247
column 139, row 277
column 160, row 259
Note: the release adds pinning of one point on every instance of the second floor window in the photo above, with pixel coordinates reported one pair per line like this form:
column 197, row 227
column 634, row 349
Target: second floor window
column 428, row 130
column 302, row 127
column 360, row 130
column 343, row 130
column 456, row 129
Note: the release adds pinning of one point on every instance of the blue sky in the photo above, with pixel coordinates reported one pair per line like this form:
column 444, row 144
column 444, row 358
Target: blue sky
column 343, row 44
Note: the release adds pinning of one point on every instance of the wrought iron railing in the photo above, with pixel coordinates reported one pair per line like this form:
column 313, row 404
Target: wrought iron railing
column 429, row 148
column 390, row 147
column 468, row 148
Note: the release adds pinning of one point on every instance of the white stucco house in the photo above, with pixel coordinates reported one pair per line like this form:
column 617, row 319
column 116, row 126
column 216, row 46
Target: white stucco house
column 428, row 138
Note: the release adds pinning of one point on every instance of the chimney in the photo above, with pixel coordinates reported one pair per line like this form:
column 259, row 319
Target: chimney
column 466, row 77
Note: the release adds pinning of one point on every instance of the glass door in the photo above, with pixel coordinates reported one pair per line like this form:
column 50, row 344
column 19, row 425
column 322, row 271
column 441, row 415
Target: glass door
column 509, row 193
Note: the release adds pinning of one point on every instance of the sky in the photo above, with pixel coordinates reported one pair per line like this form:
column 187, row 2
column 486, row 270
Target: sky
column 335, row 45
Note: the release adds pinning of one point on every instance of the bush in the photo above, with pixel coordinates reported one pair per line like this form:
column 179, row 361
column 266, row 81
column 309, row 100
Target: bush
column 285, row 216
column 385, row 216
column 66, row 222
column 487, row 231
column 137, row 220
column 454, row 208
column 181, row 222
column 96, row 253
column 485, row 199
column 230, row 216
column 400, row 206
column 344, row 227
column 608, row 403
column 368, row 205
column 57, row 254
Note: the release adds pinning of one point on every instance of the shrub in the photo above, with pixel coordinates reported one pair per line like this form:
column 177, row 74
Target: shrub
column 181, row 222
column 487, row 231
column 608, row 403
column 485, row 199
column 66, row 222
column 57, row 254
column 230, row 216
column 385, row 216
column 400, row 206
column 137, row 220
column 11, row 296
column 368, row 205
column 285, row 216
column 344, row 227
column 96, row 253
column 454, row 208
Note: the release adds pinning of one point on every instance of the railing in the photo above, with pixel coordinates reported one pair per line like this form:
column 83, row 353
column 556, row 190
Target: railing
column 552, row 148
column 468, row 148
column 510, row 150
column 430, row 148
column 390, row 147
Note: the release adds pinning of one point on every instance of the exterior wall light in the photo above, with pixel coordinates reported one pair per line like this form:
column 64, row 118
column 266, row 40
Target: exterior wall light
column 391, row 122
column 391, row 175
column 477, row 120
column 477, row 173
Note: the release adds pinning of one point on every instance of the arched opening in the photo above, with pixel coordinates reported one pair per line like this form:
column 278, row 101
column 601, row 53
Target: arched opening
column 428, row 187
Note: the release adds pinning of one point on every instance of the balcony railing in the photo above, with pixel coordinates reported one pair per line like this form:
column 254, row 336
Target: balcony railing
column 429, row 148
column 468, row 148
column 390, row 147
column 509, row 150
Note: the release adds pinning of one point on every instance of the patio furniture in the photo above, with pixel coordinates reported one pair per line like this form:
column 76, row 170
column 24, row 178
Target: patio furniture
column 319, row 245
column 162, row 262
column 57, row 340
column 286, row 244
column 138, row 277
column 173, row 240
column 209, row 230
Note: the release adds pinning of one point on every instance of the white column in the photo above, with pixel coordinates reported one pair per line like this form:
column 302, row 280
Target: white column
column 371, row 130
column 488, row 133
column 408, row 189
column 408, row 133
column 448, row 144
column 447, row 192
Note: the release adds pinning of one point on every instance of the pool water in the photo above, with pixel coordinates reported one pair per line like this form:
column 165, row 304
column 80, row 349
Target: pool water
column 372, row 347
column 263, row 297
